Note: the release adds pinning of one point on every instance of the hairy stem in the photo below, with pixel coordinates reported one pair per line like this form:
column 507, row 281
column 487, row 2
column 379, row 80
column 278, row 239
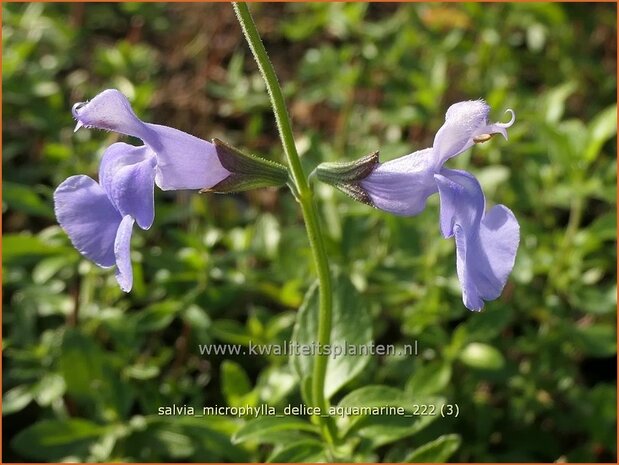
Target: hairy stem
column 306, row 199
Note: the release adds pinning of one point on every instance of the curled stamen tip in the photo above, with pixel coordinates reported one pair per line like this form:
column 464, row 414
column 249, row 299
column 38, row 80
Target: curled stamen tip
column 77, row 126
column 510, row 122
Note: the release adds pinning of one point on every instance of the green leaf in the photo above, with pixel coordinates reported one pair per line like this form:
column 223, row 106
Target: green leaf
column 601, row 129
column 488, row 324
column 275, row 383
column 90, row 378
column 382, row 429
column 52, row 440
column 272, row 429
column 20, row 247
column 25, row 199
column 157, row 316
column 213, row 438
column 437, row 451
column 267, row 235
column 483, row 356
column 429, row 379
column 186, row 437
column 16, row 399
column 351, row 328
column 49, row 267
column 81, row 364
column 230, row 331
column 597, row 340
column 297, row 452
column 50, row 388
column 555, row 101
column 142, row 371
column 376, row 396
column 235, row 384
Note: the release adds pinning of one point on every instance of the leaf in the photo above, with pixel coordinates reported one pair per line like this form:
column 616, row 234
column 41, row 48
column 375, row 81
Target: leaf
column 437, row 451
column 555, row 101
column 429, row 379
column 301, row 451
column 235, row 383
column 483, row 356
column 601, row 129
column 597, row 340
column 230, row 331
column 49, row 267
column 212, row 438
column 90, row 378
column 50, row 388
column 375, row 396
column 271, row 429
column 275, row 383
column 489, row 324
column 351, row 329
column 52, row 440
column 157, row 316
column 81, row 364
column 185, row 437
column 382, row 429
column 17, row 248
column 267, row 235
column 25, row 199
column 16, row 399
column 142, row 371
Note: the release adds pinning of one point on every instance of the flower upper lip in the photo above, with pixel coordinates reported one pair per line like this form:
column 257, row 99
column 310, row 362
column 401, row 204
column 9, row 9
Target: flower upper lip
column 183, row 161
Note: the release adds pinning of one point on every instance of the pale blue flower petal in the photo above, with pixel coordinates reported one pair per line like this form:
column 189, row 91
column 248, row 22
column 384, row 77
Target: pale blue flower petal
column 462, row 200
column 89, row 218
column 122, row 251
column 464, row 121
column 486, row 245
column 402, row 186
column 183, row 161
column 499, row 236
column 127, row 174
column 109, row 110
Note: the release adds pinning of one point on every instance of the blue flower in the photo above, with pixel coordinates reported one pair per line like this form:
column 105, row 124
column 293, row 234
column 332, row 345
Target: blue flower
column 486, row 242
column 99, row 216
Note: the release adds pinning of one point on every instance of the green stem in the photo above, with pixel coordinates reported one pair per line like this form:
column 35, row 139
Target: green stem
column 306, row 199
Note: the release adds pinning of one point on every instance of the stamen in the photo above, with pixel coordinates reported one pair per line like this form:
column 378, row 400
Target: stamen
column 480, row 139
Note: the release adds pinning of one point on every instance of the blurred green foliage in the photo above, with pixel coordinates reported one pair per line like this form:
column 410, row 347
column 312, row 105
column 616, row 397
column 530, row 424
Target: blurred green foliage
column 85, row 367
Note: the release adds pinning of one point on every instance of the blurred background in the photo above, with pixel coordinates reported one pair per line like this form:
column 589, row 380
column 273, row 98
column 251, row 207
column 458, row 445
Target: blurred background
column 85, row 366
